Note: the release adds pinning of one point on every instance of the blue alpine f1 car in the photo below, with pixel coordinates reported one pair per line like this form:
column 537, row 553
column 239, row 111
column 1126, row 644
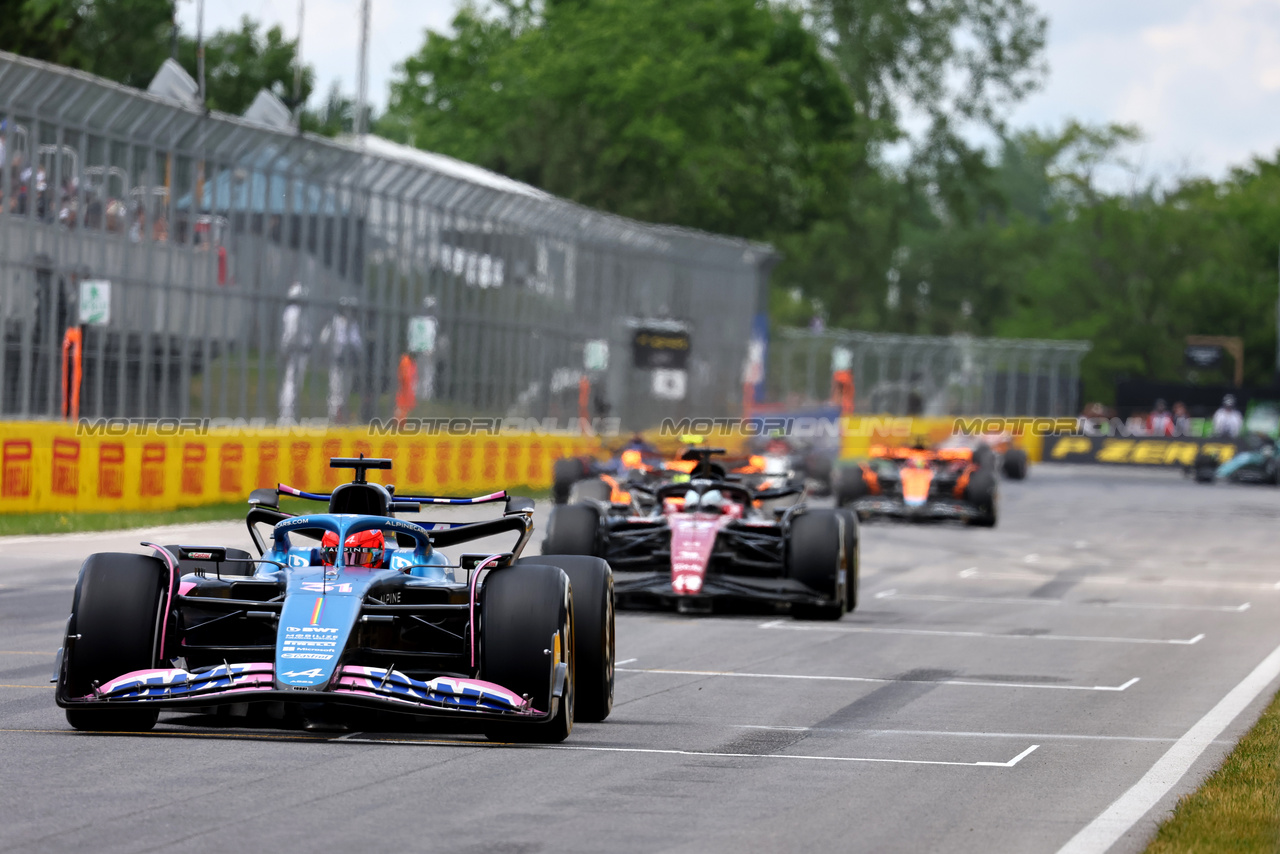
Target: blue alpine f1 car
column 349, row 610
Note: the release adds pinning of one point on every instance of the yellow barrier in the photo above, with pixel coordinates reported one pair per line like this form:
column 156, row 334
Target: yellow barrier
column 49, row 467
column 858, row 434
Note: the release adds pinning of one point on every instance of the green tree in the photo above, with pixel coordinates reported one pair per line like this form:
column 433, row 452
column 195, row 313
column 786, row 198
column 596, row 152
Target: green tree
column 717, row 114
column 240, row 63
column 123, row 40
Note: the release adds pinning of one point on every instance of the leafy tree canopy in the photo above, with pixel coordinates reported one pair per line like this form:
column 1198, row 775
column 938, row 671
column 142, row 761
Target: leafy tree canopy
column 718, row 114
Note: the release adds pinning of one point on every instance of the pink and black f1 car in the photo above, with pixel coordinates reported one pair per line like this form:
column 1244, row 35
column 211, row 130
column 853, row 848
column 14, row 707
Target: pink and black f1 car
column 704, row 537
column 346, row 610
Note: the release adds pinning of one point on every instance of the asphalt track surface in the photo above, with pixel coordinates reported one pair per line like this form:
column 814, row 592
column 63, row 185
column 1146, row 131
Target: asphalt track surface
column 995, row 691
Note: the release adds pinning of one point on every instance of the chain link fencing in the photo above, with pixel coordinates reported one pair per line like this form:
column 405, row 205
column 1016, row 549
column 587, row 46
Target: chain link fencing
column 921, row 375
column 160, row 261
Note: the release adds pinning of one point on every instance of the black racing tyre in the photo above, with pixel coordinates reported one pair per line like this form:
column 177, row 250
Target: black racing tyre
column 853, row 559
column 565, row 472
column 819, row 468
column 1015, row 464
column 1205, row 468
column 115, row 613
column 593, row 489
column 573, row 529
column 526, row 612
column 848, row 484
column 813, row 557
column 981, row 493
column 593, row 616
column 983, row 456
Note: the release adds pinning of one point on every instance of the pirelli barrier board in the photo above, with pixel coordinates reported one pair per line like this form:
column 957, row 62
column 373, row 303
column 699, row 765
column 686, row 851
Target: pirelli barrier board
column 50, row 468
column 1135, row 451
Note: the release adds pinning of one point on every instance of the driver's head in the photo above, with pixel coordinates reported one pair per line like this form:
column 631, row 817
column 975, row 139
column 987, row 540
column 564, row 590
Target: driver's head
column 367, row 549
column 712, row 501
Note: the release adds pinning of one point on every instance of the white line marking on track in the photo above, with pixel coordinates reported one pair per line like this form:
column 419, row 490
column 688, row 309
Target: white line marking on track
column 1027, row 600
column 703, row 753
column 966, row 682
column 1123, row 580
column 626, row 661
column 935, row 733
column 787, row 625
column 1015, row 760
column 1127, row 810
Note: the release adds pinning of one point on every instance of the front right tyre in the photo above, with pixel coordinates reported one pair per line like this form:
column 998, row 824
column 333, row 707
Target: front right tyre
column 115, row 616
column 526, row 622
column 813, row 558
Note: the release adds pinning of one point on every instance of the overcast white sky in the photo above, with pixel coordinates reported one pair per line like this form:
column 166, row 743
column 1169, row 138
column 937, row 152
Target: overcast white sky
column 1200, row 77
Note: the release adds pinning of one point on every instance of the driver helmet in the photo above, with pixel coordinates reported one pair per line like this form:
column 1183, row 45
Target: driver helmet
column 366, row 548
column 712, row 501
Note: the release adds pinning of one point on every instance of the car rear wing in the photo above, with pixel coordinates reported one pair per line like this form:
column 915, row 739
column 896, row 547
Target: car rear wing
column 501, row 495
column 903, row 452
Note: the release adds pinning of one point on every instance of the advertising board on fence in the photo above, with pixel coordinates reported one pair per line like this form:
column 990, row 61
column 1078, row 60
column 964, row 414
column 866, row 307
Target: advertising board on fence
column 1138, row 451
column 51, row 467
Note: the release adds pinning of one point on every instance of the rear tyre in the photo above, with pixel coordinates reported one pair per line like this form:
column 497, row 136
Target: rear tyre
column 819, row 468
column 983, row 456
column 1015, row 464
column 592, row 583
column 1205, row 468
column 526, row 612
column 594, row 489
column 981, row 493
column 848, row 485
column 565, row 472
column 115, row 613
column 813, row 558
column 573, row 529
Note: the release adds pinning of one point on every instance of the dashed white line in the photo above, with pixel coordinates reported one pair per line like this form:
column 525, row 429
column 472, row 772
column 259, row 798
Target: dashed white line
column 787, row 625
column 972, row 683
column 1027, row 600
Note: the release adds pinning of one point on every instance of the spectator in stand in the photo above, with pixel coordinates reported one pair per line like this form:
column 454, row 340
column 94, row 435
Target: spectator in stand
column 1227, row 421
column 1181, row 421
column 1160, row 422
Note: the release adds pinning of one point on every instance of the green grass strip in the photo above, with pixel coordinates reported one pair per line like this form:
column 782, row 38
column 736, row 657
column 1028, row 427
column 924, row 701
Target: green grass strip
column 1237, row 809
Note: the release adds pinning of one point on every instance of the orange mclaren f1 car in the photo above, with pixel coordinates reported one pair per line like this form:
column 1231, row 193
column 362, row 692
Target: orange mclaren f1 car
column 920, row 484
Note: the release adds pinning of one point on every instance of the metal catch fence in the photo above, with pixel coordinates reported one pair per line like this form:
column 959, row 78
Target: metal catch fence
column 157, row 260
column 920, row 375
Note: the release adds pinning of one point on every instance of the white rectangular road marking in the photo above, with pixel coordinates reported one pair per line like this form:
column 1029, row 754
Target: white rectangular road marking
column 966, row 682
column 1027, row 600
column 1127, row 810
column 702, row 753
column 946, row 733
column 1121, row 579
column 788, row 625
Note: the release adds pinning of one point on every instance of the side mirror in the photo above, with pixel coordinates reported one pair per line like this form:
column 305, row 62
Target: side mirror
column 264, row 498
column 519, row 504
